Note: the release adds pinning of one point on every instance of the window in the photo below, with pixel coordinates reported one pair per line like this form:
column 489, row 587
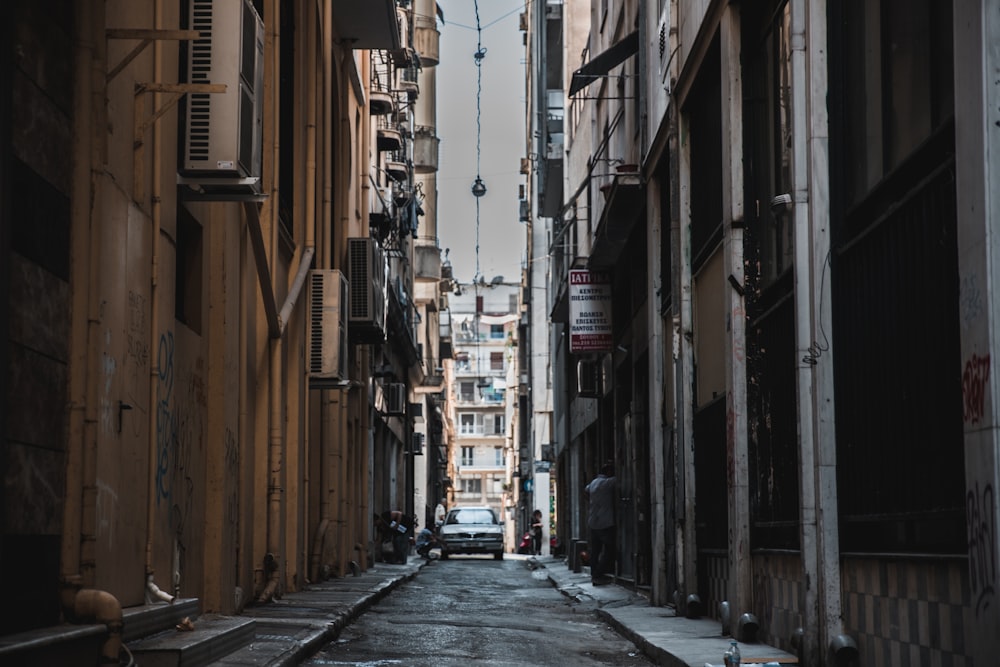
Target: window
column 468, row 456
column 467, row 423
column 287, row 100
column 462, row 362
column 496, row 361
column 899, row 53
column 498, row 456
column 188, row 272
column 470, row 485
column 498, row 424
column 770, row 144
column 467, row 391
column 496, row 331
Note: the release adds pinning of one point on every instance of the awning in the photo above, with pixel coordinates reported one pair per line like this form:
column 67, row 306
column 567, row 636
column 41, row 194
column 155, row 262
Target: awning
column 622, row 209
column 601, row 64
column 367, row 25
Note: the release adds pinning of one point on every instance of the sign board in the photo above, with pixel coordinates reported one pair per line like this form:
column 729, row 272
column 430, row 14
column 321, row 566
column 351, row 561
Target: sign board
column 589, row 311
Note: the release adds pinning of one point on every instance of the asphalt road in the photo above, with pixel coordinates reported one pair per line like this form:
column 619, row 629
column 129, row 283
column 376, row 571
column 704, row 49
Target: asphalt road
column 479, row 611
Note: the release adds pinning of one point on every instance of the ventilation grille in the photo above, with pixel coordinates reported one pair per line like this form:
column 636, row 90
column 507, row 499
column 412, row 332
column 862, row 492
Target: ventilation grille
column 360, row 273
column 326, row 339
column 202, row 20
column 366, row 269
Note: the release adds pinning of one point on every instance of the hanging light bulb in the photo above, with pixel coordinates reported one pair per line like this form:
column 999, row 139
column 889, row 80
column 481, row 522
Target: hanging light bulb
column 478, row 188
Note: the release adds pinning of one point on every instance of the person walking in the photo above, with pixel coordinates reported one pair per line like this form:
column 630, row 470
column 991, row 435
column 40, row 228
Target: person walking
column 601, row 522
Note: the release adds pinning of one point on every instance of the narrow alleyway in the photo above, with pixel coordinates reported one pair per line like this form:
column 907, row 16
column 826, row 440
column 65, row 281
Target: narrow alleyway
column 479, row 611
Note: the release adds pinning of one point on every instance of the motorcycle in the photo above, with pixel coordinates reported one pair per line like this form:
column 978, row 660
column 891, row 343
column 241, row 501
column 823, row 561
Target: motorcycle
column 525, row 546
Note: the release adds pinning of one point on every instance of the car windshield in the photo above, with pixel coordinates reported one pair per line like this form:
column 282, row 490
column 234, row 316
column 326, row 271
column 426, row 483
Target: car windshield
column 471, row 516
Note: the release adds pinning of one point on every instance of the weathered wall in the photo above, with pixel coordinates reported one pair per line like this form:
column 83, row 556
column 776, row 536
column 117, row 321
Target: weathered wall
column 34, row 385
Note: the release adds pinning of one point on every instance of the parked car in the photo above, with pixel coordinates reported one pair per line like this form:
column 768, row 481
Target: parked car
column 472, row 530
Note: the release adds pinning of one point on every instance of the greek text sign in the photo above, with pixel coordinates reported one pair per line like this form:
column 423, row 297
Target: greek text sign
column 589, row 311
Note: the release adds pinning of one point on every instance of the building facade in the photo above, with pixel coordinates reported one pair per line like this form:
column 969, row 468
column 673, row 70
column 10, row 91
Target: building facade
column 792, row 203
column 218, row 347
column 484, row 320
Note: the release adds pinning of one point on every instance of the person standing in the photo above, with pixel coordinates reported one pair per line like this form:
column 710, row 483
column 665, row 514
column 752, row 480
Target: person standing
column 601, row 522
column 439, row 515
column 536, row 532
column 393, row 526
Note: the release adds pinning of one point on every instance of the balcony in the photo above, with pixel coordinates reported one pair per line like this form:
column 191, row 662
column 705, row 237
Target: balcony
column 425, row 150
column 389, row 139
column 427, row 40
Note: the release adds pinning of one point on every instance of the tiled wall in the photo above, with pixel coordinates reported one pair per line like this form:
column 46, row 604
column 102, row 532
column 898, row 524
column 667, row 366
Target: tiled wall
column 777, row 595
column 910, row 612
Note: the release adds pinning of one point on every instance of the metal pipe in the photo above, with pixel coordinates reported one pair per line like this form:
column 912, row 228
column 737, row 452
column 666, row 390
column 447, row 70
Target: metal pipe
column 153, row 592
column 275, row 462
column 84, row 604
column 80, row 270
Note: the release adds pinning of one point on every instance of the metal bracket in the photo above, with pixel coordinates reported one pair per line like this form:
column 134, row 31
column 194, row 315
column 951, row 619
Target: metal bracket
column 140, row 124
column 146, row 37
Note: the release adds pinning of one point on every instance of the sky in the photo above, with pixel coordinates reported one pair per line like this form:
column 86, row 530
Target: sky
column 502, row 142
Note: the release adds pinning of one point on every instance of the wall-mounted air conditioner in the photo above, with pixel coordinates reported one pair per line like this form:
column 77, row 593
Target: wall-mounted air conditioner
column 395, row 399
column 221, row 134
column 326, row 330
column 587, row 379
column 366, row 272
column 417, row 444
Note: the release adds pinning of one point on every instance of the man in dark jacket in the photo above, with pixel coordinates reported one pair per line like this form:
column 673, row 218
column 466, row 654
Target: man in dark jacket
column 601, row 522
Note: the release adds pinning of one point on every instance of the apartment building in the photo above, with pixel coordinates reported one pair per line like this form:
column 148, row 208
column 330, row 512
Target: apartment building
column 484, row 324
column 786, row 206
column 219, row 337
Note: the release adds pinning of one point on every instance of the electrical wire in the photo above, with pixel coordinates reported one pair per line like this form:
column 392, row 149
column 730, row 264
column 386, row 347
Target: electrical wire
column 478, row 188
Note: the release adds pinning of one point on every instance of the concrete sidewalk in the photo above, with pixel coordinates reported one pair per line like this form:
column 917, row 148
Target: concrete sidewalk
column 667, row 639
column 293, row 628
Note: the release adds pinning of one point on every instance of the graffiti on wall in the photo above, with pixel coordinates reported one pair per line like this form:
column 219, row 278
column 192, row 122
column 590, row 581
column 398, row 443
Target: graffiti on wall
column 974, row 387
column 136, row 373
column 233, row 476
column 983, row 563
column 107, row 511
column 166, row 420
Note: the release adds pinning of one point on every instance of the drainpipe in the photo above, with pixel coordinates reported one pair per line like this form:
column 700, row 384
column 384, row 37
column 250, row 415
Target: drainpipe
column 310, row 226
column 82, row 604
column 153, row 592
column 329, row 489
column 275, row 463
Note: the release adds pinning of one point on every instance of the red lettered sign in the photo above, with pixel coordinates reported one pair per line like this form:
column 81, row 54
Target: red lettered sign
column 589, row 311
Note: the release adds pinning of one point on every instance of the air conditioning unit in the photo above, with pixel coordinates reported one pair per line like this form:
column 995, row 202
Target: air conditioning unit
column 587, row 379
column 395, row 399
column 326, row 331
column 366, row 272
column 417, row 444
column 221, row 135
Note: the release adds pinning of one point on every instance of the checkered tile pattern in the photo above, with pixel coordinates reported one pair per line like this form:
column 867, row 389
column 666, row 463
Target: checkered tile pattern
column 907, row 612
column 777, row 595
column 713, row 576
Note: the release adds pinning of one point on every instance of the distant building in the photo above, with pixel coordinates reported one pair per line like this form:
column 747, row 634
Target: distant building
column 484, row 321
